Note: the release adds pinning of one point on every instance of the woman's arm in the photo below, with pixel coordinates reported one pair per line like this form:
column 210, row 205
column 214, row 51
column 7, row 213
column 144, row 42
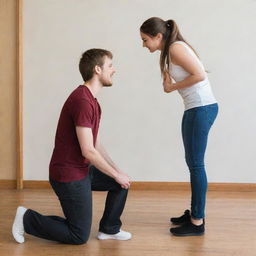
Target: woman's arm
column 179, row 55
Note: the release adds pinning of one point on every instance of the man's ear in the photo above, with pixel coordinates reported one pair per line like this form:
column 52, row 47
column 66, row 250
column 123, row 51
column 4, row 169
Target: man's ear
column 97, row 69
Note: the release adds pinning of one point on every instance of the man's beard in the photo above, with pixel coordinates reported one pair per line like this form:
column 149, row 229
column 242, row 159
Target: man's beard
column 107, row 84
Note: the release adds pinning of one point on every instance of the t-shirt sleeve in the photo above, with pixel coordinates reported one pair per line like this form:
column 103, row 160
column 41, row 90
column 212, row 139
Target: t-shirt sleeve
column 82, row 113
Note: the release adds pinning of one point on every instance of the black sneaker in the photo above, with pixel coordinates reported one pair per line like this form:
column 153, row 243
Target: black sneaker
column 188, row 229
column 185, row 218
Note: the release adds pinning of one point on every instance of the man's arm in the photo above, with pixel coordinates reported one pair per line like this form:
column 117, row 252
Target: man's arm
column 100, row 148
column 85, row 139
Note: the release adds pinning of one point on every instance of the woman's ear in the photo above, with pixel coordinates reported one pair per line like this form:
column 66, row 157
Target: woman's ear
column 159, row 36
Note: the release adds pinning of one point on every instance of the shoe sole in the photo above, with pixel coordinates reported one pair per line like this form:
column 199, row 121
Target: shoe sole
column 126, row 239
column 189, row 234
column 113, row 237
column 20, row 239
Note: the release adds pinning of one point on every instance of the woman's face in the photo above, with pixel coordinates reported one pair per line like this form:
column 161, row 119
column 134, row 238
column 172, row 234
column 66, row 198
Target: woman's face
column 152, row 43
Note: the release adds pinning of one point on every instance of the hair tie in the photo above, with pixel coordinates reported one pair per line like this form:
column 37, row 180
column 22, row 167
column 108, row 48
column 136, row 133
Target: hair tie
column 168, row 25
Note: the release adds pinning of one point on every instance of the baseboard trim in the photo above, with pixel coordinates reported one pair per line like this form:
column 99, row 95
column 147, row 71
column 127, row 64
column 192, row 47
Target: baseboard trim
column 156, row 185
column 147, row 185
column 38, row 184
column 185, row 186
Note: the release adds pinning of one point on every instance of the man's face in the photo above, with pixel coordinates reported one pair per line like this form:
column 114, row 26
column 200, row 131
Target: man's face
column 107, row 72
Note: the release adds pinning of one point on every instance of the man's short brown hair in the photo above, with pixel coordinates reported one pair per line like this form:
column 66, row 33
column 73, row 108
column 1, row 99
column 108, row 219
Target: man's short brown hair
column 90, row 59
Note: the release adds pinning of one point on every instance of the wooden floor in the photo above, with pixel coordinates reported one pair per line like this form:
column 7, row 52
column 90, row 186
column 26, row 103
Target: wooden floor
column 230, row 225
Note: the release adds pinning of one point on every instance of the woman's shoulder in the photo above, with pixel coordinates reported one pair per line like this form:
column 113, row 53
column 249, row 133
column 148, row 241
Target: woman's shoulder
column 178, row 47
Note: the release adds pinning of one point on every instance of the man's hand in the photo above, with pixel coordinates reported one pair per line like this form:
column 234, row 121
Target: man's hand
column 123, row 179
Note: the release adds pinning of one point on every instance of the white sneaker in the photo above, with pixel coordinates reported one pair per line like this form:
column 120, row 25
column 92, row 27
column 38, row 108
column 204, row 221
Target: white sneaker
column 121, row 235
column 17, row 226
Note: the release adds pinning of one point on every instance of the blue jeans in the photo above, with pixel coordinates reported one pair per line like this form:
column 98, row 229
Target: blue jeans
column 196, row 124
column 76, row 201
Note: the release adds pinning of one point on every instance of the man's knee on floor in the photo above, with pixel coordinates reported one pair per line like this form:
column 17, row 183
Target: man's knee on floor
column 80, row 238
column 79, row 241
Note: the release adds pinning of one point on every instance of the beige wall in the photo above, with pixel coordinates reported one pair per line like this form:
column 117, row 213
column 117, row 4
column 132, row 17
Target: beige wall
column 8, row 89
column 140, row 124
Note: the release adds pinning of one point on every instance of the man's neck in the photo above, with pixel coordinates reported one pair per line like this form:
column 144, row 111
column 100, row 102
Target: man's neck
column 94, row 86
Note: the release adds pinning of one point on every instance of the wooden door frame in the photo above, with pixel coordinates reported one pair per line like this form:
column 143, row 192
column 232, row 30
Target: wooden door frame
column 19, row 96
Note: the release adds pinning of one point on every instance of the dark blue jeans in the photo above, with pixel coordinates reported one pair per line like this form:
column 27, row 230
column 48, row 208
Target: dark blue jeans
column 196, row 124
column 76, row 202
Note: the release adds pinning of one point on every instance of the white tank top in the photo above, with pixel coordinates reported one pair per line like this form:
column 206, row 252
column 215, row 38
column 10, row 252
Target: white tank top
column 199, row 94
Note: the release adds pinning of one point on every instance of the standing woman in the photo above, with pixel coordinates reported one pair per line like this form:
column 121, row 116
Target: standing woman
column 183, row 71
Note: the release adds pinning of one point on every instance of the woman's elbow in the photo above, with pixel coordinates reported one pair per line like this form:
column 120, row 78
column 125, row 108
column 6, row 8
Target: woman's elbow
column 200, row 77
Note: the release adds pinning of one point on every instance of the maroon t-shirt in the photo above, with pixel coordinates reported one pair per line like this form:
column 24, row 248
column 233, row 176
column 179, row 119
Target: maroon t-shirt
column 80, row 109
